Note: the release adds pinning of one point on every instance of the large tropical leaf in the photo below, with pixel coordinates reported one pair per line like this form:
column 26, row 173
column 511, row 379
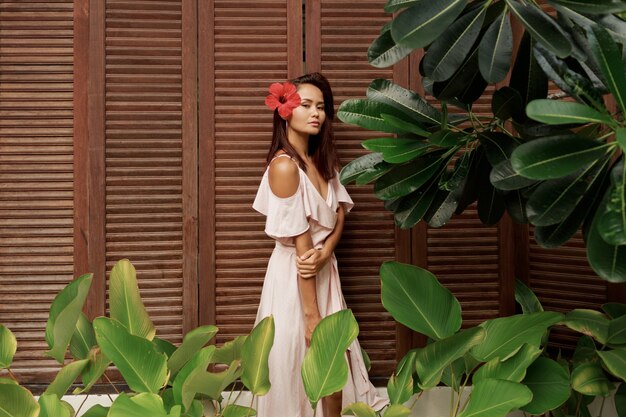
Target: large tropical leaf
column 51, row 406
column 412, row 208
column 64, row 313
column 141, row 405
column 98, row 364
column 620, row 400
column 255, row 355
column 549, row 383
column 230, row 351
column 359, row 166
column 324, row 368
column 402, row 124
column 8, row 346
column 617, row 330
column 192, row 342
column 406, row 178
column 125, row 301
column 448, row 51
column 495, row 50
column 97, row 411
column 416, row 299
column 612, row 221
column 614, row 310
column 593, row 6
column 213, row 384
column 395, row 5
column 141, row 365
column 608, row 57
column 397, row 410
column 512, row 369
column 66, row 377
column 405, row 101
column 432, row 359
column 503, row 177
column 400, row 385
column 396, row 150
column 555, row 156
column 188, row 381
column 359, row 409
column 589, row 379
column 589, row 322
column 466, row 85
column 542, row 27
column 505, row 335
column 496, row 398
column 16, row 401
column 384, row 51
column 506, row 102
column 234, row 410
column 367, row 114
column 422, row 23
column 83, row 338
column 564, row 112
column 526, row 298
column 615, row 361
column 527, row 77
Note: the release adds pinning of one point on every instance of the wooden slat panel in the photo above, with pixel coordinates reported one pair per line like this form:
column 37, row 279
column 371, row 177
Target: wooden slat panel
column 347, row 30
column 36, row 177
column 144, row 152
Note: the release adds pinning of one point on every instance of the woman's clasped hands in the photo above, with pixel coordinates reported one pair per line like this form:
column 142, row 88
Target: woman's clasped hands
column 311, row 262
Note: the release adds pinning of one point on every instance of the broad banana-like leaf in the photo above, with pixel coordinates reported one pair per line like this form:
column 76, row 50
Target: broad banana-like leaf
column 396, row 150
column 612, row 221
column 192, row 342
column 416, row 299
column 397, row 410
column 229, row 351
column 588, row 378
column 448, row 51
column 97, row 411
column 400, row 385
column 188, row 382
column 359, row 409
column 51, row 406
column 424, row 22
column 4, row 380
column 617, row 331
column 255, row 356
column 324, row 368
column 549, row 383
column 542, row 27
column 432, row 359
column 125, row 301
column 384, row 51
column 66, row 377
column 8, row 346
column 589, row 322
column 141, row 365
column 83, row 338
column 512, row 369
column 64, row 313
column 496, row 398
column 405, row 101
column 406, row 178
column 526, row 298
column 164, row 346
column 556, row 156
column 141, row 405
column 506, row 335
column 556, row 112
column 17, row 401
column 615, row 362
column 609, row 59
column 585, row 351
column 614, row 310
column 233, row 410
column 213, row 384
column 98, row 364
column 495, row 50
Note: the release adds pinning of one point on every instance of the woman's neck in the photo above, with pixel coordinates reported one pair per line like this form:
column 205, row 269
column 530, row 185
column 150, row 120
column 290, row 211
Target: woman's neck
column 300, row 143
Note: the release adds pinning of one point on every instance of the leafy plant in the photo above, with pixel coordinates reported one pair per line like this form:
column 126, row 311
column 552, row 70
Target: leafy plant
column 561, row 167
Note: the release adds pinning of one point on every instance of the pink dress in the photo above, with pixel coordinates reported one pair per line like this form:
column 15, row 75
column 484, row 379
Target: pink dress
column 287, row 218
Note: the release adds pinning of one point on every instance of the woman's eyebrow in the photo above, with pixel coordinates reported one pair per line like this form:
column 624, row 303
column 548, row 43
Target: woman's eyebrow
column 308, row 99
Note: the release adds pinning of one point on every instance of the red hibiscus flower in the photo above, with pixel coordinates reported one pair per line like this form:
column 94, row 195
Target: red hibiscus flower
column 283, row 97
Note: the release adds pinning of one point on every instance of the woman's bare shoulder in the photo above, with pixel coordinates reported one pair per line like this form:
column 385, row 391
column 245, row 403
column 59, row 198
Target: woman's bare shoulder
column 284, row 177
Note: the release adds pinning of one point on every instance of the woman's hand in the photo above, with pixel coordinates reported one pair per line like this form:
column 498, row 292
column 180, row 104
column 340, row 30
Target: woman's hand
column 310, row 323
column 311, row 262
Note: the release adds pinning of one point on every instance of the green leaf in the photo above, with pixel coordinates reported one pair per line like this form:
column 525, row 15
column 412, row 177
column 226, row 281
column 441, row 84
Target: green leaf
column 255, row 355
column 404, row 179
column 512, row 369
column 542, row 28
column 549, row 383
column 396, row 150
column 527, row 77
column 373, row 174
column 359, row 409
column 589, row 379
column 64, row 313
column 16, row 401
column 97, row 411
column 491, row 204
column 585, row 351
column 620, row 400
column 141, row 405
column 516, row 206
column 125, row 301
column 446, row 138
column 589, row 322
column 495, row 50
column 412, row 208
column 496, row 398
column 83, row 338
column 189, row 380
column 452, row 374
column 229, row 351
column 359, row 166
column 403, row 125
column 233, row 410
column 526, row 298
column 505, row 335
column 557, row 112
column 466, row 85
column 4, row 380
column 143, row 368
column 400, row 384
column 397, row 410
column 555, row 156
column 384, row 51
column 324, row 368
column 615, row 362
column 612, row 221
column 506, row 102
column 164, row 346
column 366, row 359
column 593, row 6
column 620, row 136
column 447, row 52
column 431, row 360
column 609, row 58
column 367, row 114
column 395, row 5
column 424, row 22
column 416, row 299
column 51, row 406
column 66, row 377
column 213, row 384
column 498, row 146
column 192, row 342
column 503, row 177
column 98, row 364
column 614, row 310
column 8, row 346
column 403, row 100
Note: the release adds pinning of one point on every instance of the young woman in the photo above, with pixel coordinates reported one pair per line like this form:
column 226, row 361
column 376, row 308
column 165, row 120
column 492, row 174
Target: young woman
column 305, row 204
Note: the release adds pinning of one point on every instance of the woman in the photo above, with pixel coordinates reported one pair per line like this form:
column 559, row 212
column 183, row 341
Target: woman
column 305, row 204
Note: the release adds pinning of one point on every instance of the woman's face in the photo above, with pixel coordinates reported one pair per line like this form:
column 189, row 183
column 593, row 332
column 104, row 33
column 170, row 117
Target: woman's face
column 309, row 116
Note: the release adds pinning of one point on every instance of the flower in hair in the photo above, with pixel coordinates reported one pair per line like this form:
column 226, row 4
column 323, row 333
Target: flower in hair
column 283, row 97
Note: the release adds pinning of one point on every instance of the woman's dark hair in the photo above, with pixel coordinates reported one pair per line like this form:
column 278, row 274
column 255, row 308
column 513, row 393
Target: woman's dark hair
column 321, row 146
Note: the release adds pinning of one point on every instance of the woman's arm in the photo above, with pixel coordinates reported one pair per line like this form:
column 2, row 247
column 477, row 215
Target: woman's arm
column 313, row 260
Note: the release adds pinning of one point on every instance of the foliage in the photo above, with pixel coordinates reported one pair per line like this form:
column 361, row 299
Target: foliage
column 561, row 167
